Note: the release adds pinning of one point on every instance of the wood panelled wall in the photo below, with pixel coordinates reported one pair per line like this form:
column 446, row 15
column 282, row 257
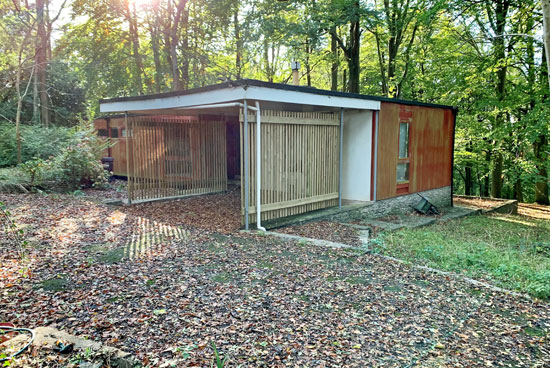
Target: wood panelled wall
column 430, row 148
column 118, row 150
column 300, row 153
column 175, row 156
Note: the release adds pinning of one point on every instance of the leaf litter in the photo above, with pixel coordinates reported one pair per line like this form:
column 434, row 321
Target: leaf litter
column 165, row 287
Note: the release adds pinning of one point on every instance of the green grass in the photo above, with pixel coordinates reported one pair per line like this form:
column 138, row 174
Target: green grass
column 511, row 251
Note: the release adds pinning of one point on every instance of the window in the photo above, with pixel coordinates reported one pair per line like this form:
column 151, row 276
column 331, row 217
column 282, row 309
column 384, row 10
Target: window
column 102, row 133
column 114, row 132
column 403, row 161
column 403, row 140
column 123, row 132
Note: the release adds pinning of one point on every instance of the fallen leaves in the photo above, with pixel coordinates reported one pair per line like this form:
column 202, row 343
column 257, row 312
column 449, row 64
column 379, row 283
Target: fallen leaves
column 165, row 280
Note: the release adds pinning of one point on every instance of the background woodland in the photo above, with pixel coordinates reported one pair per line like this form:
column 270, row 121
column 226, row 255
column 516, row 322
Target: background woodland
column 58, row 58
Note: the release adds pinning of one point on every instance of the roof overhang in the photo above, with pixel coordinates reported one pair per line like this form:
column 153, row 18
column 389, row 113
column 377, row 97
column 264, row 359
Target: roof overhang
column 228, row 93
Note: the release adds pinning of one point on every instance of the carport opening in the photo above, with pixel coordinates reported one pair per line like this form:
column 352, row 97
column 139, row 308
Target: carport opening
column 194, row 151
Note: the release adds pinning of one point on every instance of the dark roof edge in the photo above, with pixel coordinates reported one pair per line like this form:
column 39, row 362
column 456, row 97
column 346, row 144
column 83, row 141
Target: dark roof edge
column 288, row 87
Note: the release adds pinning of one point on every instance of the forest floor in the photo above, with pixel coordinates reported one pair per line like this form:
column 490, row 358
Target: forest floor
column 165, row 287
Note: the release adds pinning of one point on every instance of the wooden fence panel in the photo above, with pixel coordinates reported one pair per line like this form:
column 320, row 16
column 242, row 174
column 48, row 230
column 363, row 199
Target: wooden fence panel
column 175, row 156
column 300, row 155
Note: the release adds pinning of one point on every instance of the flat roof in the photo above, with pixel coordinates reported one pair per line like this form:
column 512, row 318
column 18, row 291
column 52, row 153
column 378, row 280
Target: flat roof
column 256, row 90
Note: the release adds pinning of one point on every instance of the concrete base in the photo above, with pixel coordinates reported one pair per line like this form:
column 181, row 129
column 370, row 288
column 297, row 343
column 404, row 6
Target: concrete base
column 505, row 206
column 440, row 197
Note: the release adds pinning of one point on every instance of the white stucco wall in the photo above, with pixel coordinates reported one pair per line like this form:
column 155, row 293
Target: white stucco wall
column 357, row 155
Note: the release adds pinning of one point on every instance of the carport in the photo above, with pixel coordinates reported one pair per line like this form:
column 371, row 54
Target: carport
column 291, row 142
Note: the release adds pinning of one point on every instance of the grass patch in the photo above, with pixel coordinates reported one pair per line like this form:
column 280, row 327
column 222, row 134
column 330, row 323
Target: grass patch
column 56, row 284
column 510, row 250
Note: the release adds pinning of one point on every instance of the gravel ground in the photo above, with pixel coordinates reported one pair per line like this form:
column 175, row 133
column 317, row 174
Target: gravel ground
column 167, row 291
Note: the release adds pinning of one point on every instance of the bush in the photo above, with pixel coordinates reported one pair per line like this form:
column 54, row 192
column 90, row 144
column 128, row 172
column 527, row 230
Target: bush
column 77, row 166
column 36, row 142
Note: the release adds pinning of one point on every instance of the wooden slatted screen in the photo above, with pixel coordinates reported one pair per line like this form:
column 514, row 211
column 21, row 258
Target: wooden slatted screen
column 300, row 155
column 175, row 156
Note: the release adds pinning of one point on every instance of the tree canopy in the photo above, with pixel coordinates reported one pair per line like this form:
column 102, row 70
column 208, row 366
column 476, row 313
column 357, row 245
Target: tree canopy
column 486, row 57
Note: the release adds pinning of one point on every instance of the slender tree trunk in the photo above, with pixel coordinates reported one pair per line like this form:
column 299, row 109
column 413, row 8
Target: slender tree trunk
column 546, row 32
column 267, row 66
column 354, row 63
column 131, row 17
column 486, row 184
column 308, row 66
column 540, row 148
column 335, row 58
column 501, row 13
column 344, row 81
column 35, row 100
column 18, row 115
column 174, row 40
column 42, row 63
column 238, row 42
column 185, row 47
column 154, row 27
column 468, row 182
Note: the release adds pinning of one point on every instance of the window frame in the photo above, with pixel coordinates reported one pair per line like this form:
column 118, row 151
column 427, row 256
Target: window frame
column 403, row 185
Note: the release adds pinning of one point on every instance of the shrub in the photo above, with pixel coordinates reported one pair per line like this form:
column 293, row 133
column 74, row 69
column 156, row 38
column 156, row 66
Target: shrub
column 76, row 166
column 79, row 164
column 36, row 142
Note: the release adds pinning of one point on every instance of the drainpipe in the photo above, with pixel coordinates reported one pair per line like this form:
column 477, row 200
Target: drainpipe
column 246, row 172
column 128, row 178
column 340, row 180
column 258, row 168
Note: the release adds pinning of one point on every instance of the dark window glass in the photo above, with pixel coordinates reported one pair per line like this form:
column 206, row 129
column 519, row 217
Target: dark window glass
column 102, row 133
column 114, row 132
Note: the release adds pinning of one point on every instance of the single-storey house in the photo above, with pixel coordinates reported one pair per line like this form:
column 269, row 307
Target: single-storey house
column 295, row 149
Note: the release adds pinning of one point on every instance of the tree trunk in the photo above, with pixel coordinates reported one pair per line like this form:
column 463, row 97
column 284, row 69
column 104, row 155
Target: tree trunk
column 540, row 148
column 468, row 182
column 134, row 39
column 185, row 47
column 174, row 39
column 354, row 62
column 334, row 68
column 546, row 32
column 501, row 12
column 308, row 66
column 18, row 115
column 486, row 179
column 238, row 43
column 42, row 63
column 35, row 100
column 154, row 27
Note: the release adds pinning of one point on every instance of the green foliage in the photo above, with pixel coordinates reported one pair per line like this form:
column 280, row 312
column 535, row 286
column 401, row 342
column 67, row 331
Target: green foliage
column 510, row 250
column 218, row 360
column 36, row 142
column 79, row 164
column 76, row 165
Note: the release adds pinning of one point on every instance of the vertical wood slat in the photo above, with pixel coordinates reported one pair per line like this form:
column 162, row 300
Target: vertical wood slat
column 299, row 162
column 176, row 156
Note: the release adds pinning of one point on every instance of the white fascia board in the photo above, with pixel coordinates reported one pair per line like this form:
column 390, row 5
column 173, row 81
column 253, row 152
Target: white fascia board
column 174, row 102
column 238, row 94
column 304, row 98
